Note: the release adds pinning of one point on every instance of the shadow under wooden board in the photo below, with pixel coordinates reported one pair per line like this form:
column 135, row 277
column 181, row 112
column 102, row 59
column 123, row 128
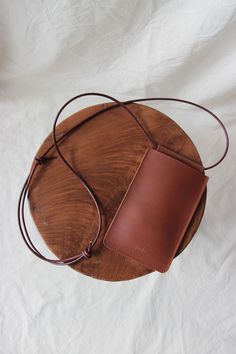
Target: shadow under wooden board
column 106, row 150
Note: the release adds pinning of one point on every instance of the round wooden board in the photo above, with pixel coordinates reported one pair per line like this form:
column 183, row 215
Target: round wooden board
column 106, row 150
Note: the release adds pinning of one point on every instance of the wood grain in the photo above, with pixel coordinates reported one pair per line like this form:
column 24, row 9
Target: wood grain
column 106, row 151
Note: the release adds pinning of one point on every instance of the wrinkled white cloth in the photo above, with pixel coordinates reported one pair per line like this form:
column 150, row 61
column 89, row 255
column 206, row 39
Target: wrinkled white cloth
column 53, row 50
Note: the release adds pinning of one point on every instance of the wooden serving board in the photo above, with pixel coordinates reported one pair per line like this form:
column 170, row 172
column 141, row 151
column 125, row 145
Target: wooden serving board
column 106, row 150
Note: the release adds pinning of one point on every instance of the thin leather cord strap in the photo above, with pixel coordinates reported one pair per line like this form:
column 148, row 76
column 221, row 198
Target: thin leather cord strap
column 40, row 160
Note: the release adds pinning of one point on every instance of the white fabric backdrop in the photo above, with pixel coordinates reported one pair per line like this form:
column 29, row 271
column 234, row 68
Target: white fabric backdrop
column 52, row 50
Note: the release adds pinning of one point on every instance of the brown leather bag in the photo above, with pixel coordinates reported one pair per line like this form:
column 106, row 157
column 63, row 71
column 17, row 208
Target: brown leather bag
column 157, row 207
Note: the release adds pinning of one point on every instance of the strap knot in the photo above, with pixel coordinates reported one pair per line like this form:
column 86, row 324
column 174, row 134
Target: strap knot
column 87, row 251
column 39, row 159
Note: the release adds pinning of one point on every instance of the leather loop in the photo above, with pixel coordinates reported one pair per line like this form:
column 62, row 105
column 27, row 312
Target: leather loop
column 39, row 160
column 86, row 254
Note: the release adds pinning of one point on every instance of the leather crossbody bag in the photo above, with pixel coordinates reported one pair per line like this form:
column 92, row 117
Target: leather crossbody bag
column 157, row 207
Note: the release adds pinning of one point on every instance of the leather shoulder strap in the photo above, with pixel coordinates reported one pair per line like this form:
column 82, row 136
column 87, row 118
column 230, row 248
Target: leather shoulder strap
column 39, row 160
column 124, row 106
